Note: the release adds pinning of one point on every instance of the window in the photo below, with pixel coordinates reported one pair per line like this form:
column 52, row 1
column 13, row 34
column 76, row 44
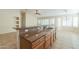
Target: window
column 43, row 22
column 52, row 21
column 39, row 22
column 46, row 21
column 59, row 21
column 69, row 21
column 64, row 23
column 75, row 21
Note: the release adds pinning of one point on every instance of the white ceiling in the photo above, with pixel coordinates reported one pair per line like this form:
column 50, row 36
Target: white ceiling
column 54, row 12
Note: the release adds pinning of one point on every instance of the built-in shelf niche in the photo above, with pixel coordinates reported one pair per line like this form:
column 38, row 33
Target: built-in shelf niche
column 17, row 22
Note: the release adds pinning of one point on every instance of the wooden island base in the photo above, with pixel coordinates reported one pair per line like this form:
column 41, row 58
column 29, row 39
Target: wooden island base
column 42, row 40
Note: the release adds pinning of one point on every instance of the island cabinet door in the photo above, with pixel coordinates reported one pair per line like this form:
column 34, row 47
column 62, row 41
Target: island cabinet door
column 47, row 41
column 47, row 44
column 25, row 44
column 51, row 39
column 40, row 46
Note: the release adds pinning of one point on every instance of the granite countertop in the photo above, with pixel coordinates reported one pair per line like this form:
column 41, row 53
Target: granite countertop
column 34, row 35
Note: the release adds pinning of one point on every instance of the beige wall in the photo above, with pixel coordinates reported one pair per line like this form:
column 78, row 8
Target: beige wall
column 31, row 19
column 7, row 20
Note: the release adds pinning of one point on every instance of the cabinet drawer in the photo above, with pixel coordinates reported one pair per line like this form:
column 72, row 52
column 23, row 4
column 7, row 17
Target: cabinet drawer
column 37, row 42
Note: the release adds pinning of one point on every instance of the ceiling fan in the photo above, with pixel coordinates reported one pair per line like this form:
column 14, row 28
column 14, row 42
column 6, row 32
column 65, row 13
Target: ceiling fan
column 37, row 12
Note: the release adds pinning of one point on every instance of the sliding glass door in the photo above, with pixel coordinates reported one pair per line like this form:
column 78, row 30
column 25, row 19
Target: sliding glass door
column 52, row 21
column 68, row 21
column 58, row 20
column 75, row 21
column 46, row 21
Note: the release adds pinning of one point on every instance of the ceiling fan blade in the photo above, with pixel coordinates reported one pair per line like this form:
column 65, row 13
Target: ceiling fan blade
column 37, row 12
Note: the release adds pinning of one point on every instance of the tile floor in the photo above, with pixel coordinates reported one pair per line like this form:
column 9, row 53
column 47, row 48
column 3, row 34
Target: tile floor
column 8, row 41
column 66, row 40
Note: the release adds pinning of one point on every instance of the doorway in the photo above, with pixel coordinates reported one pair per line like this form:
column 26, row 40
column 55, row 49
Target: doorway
column 23, row 19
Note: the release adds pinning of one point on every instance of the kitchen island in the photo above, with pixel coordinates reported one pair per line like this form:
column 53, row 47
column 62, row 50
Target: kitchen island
column 37, row 39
